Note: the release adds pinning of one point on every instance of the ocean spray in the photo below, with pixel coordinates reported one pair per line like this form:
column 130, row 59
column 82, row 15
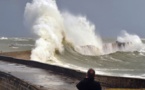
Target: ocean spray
column 133, row 41
column 52, row 27
column 43, row 17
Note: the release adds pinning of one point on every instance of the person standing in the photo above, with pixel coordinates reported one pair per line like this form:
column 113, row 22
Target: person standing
column 89, row 83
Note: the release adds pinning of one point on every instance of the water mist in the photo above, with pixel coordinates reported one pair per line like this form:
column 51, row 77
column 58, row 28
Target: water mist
column 43, row 17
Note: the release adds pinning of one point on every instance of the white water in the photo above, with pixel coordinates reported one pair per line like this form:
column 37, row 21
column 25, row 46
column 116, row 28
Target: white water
column 3, row 38
column 135, row 42
column 43, row 17
column 132, row 42
column 53, row 26
column 80, row 31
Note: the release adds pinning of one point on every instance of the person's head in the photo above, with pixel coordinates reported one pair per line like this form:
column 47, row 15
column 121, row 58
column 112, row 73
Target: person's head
column 91, row 73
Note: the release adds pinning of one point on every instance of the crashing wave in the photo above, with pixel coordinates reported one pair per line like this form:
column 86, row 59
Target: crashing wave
column 88, row 50
column 53, row 27
column 3, row 38
column 20, row 39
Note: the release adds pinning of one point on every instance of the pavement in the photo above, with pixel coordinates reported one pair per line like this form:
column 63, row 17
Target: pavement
column 42, row 79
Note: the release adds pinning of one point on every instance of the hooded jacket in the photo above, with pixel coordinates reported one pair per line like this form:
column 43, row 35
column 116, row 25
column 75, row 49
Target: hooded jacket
column 88, row 84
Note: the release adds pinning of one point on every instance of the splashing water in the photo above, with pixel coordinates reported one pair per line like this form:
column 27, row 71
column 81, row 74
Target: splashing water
column 43, row 17
column 53, row 27
column 82, row 34
column 133, row 42
column 126, row 37
column 80, row 31
column 125, row 42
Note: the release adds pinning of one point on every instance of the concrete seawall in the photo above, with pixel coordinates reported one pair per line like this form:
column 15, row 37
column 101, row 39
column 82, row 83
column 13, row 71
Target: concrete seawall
column 9, row 82
column 106, row 81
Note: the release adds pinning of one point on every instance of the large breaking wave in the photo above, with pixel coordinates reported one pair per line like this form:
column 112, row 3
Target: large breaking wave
column 55, row 28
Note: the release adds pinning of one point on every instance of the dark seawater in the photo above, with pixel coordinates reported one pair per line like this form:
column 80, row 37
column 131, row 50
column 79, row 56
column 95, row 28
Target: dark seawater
column 15, row 44
column 124, row 64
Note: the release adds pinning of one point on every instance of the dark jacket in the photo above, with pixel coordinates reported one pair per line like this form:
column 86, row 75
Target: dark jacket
column 88, row 84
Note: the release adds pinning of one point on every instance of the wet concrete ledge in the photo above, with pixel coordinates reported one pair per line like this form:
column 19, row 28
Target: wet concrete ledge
column 9, row 82
column 106, row 81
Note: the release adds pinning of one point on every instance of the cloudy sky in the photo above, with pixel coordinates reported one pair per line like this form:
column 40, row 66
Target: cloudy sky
column 109, row 16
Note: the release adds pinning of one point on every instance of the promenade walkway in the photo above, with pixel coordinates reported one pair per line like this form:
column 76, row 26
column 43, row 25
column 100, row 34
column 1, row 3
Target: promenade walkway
column 42, row 79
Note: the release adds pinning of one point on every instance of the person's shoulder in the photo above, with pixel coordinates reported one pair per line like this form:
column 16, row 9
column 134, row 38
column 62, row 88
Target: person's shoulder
column 83, row 80
column 98, row 83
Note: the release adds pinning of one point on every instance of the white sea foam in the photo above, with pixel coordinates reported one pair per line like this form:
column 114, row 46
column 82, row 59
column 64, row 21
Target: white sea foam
column 51, row 27
column 80, row 31
column 3, row 38
column 125, row 42
column 20, row 39
column 43, row 17
column 135, row 42
column 22, row 45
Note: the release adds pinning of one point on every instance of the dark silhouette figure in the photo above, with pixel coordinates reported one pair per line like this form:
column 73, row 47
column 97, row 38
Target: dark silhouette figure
column 89, row 83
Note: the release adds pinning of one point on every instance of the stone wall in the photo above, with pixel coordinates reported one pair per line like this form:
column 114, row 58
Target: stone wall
column 106, row 81
column 9, row 82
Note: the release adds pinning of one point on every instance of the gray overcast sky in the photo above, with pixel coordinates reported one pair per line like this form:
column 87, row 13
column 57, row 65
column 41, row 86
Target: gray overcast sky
column 109, row 16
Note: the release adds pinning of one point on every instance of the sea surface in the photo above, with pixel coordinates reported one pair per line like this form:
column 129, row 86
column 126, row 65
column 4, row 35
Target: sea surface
column 119, row 63
column 15, row 44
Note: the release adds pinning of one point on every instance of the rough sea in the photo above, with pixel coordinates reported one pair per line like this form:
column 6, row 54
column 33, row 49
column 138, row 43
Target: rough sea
column 119, row 63
column 72, row 41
